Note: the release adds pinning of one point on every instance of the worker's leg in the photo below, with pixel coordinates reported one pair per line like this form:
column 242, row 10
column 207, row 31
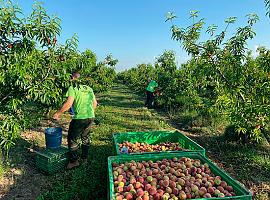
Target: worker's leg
column 151, row 99
column 86, row 137
column 75, row 129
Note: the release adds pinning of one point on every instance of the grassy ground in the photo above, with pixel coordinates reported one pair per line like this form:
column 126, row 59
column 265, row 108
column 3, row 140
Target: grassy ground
column 120, row 111
column 250, row 165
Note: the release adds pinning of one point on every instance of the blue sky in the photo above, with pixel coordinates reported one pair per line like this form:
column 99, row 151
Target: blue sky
column 135, row 31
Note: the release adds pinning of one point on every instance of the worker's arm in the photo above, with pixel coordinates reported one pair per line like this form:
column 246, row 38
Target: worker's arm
column 95, row 103
column 66, row 106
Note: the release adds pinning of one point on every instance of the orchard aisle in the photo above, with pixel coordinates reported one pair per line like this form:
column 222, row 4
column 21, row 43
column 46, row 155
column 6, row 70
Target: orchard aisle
column 119, row 111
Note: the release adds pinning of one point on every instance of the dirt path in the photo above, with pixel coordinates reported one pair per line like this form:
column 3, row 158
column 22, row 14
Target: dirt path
column 22, row 180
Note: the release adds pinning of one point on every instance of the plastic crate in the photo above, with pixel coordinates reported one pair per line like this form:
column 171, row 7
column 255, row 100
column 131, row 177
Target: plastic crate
column 156, row 137
column 241, row 192
column 51, row 161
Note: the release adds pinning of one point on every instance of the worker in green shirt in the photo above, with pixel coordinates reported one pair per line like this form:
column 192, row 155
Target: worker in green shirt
column 84, row 103
column 150, row 93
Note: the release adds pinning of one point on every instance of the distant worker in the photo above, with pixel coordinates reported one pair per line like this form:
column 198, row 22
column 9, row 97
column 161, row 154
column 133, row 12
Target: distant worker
column 83, row 100
column 151, row 89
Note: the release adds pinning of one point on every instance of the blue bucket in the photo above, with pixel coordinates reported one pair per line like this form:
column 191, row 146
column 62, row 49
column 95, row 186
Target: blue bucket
column 53, row 137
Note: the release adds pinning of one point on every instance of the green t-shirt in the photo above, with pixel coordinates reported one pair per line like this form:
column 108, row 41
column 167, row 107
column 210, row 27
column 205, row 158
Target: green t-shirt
column 83, row 101
column 151, row 86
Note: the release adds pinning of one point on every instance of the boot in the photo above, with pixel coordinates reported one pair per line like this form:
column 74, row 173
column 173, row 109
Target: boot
column 72, row 165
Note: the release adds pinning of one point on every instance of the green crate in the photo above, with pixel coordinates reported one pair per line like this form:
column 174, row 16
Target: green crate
column 156, row 137
column 50, row 161
column 241, row 192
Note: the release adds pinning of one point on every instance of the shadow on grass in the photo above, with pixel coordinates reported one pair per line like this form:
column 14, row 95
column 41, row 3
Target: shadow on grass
column 25, row 181
column 88, row 181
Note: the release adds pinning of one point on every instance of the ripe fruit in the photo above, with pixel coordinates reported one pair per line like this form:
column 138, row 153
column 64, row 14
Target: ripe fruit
column 145, row 147
column 120, row 189
column 221, row 195
column 137, row 185
column 223, row 184
column 61, row 58
column 149, row 172
column 145, row 197
column 217, row 192
column 157, row 196
column 119, row 197
column 221, row 189
column 202, row 191
column 121, row 184
column 175, row 191
column 140, row 192
column 165, row 196
column 211, row 190
column 194, row 188
column 10, row 46
column 130, row 187
column 166, row 183
column 167, row 179
column 188, row 195
column 152, row 191
column 54, row 40
column 129, row 196
column 136, row 172
column 181, row 182
column 120, row 178
column 207, row 195
column 182, row 195
column 229, row 188
column 169, row 190
column 172, row 184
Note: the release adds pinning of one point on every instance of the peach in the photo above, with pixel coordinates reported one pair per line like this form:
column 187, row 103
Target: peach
column 202, row 191
column 168, row 190
column 182, row 195
column 221, row 189
column 137, row 185
column 129, row 196
column 165, row 183
column 119, row 197
column 152, row 191
column 147, row 187
column 140, row 192
column 229, row 188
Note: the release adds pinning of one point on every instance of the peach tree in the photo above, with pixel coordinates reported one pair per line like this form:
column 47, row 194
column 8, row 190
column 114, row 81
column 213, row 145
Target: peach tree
column 226, row 78
column 35, row 68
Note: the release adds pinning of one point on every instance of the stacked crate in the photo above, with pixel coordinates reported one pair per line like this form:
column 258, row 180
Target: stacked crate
column 51, row 161
column 190, row 150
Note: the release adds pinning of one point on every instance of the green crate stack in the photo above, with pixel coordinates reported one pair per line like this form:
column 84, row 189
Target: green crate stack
column 156, row 137
column 51, row 161
column 241, row 192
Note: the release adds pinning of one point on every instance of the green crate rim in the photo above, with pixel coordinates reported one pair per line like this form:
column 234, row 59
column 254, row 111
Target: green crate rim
column 246, row 195
column 54, row 167
column 45, row 152
column 199, row 149
column 47, row 160
column 50, row 161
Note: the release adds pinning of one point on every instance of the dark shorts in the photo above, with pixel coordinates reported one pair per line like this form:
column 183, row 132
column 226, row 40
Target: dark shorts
column 79, row 128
